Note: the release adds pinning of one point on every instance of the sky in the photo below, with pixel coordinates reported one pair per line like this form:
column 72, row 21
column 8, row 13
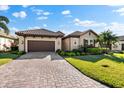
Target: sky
column 65, row 18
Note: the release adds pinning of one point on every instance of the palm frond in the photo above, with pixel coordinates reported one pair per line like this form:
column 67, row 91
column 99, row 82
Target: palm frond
column 4, row 19
column 4, row 27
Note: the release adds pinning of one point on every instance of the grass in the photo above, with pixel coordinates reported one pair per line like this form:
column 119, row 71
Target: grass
column 7, row 57
column 108, row 69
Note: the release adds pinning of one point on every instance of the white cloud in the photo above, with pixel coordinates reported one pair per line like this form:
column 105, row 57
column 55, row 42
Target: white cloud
column 66, row 12
column 87, row 23
column 25, row 6
column 116, row 27
column 42, row 18
column 40, row 12
column 120, row 11
column 4, row 7
column 21, row 14
column 44, row 25
column 37, row 11
column 46, row 13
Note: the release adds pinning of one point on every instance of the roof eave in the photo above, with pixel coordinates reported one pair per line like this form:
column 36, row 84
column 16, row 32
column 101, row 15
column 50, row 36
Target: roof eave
column 20, row 34
column 70, row 37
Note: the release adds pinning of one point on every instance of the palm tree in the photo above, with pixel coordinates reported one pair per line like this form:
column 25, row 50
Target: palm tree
column 107, row 38
column 3, row 24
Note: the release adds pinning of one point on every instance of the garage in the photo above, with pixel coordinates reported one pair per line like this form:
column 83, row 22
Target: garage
column 41, row 46
column 39, row 40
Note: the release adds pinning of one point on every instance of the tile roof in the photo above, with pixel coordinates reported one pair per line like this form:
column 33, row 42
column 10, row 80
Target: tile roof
column 40, row 32
column 75, row 34
column 79, row 33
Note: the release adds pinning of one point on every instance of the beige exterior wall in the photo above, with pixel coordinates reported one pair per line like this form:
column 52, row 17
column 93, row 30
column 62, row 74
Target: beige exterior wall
column 118, row 45
column 73, row 43
column 66, row 44
column 21, row 43
column 87, row 37
column 70, row 43
column 58, row 42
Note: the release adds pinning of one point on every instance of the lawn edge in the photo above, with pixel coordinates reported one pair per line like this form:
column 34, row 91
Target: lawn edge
column 106, row 84
column 11, row 60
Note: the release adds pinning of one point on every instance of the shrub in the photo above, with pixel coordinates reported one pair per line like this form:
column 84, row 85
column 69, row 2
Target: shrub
column 75, row 50
column 94, row 50
column 83, row 54
column 62, row 53
column 21, row 53
column 78, row 53
column 122, row 52
column 58, row 51
column 110, row 53
column 97, row 50
column 81, row 49
column 104, row 50
column 14, row 52
column 70, row 54
column 18, row 52
column 14, row 48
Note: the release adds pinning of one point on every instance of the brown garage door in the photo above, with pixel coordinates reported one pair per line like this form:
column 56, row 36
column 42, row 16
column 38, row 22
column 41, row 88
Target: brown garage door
column 38, row 46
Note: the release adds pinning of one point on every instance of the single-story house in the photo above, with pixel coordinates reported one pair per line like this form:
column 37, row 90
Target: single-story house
column 78, row 38
column 6, row 41
column 45, row 40
column 39, row 40
column 120, row 44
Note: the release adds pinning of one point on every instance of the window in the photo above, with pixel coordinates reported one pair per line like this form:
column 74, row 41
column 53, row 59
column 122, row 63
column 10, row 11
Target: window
column 85, row 42
column 75, row 42
column 89, row 33
column 91, row 41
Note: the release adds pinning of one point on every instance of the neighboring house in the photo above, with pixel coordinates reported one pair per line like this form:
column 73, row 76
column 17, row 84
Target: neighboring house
column 120, row 44
column 78, row 38
column 39, row 40
column 6, row 41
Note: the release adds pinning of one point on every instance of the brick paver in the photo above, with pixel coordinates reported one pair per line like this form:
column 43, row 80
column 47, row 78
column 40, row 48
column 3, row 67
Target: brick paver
column 46, row 69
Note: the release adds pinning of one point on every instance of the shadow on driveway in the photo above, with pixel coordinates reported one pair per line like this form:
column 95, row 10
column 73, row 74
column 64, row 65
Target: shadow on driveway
column 41, row 55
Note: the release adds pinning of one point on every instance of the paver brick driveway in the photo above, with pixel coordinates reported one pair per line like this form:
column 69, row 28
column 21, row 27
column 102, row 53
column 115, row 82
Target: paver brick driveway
column 43, row 69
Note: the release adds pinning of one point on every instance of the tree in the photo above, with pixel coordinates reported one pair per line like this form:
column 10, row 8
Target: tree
column 107, row 38
column 3, row 24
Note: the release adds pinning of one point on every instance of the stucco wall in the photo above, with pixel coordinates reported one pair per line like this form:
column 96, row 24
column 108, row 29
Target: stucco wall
column 118, row 45
column 87, row 37
column 21, row 43
column 65, row 44
column 70, row 43
column 21, row 39
column 74, row 43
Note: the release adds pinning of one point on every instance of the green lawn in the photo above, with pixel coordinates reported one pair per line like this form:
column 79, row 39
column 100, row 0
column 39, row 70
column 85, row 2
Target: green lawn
column 108, row 69
column 7, row 57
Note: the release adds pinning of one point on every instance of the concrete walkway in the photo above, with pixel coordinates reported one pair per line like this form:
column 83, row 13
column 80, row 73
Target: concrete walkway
column 43, row 69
